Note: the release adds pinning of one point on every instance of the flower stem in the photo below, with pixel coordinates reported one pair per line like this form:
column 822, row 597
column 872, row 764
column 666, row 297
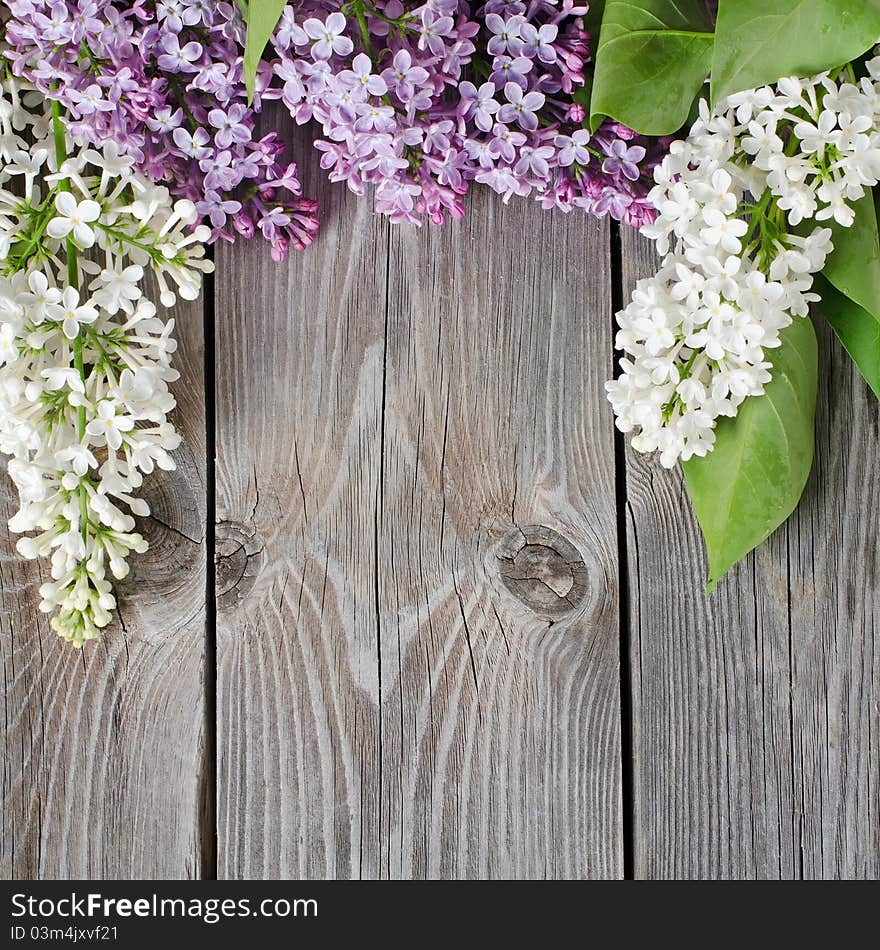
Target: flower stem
column 358, row 8
column 757, row 216
column 123, row 238
column 759, row 212
column 73, row 278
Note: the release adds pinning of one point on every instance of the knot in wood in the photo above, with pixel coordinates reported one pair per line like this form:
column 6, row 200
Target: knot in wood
column 238, row 560
column 543, row 570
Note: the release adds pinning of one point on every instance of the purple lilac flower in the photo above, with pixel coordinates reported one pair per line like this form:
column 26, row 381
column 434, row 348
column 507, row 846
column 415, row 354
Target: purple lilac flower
column 573, row 148
column 329, row 37
column 479, row 104
column 521, row 108
column 420, row 100
column 415, row 100
column 163, row 80
column 623, row 159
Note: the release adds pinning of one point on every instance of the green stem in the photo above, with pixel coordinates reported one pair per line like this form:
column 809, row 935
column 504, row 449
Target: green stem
column 758, row 216
column 358, row 8
column 180, row 98
column 124, row 238
column 759, row 213
column 73, row 278
column 20, row 255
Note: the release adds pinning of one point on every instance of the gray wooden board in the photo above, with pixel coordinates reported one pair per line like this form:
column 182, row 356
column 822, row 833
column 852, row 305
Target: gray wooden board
column 417, row 600
column 398, row 412
column 756, row 741
column 104, row 765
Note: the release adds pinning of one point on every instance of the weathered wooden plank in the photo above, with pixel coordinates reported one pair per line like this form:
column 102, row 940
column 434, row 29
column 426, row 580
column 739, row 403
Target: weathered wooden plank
column 500, row 716
column 756, row 710
column 393, row 408
column 299, row 378
column 104, row 766
column 834, row 597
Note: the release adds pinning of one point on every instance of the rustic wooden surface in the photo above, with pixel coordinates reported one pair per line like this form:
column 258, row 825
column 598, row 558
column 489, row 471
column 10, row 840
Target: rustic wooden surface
column 452, row 627
column 387, row 706
column 756, row 750
column 105, row 764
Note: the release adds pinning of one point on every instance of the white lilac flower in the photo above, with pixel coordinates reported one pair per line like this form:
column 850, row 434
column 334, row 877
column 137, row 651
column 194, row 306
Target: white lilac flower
column 70, row 314
column 84, row 362
column 63, row 377
column 74, row 217
column 118, row 288
column 40, row 296
column 8, row 344
column 698, row 337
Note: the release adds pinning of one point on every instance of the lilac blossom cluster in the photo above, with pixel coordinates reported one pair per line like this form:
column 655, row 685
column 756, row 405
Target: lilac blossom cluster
column 162, row 79
column 421, row 99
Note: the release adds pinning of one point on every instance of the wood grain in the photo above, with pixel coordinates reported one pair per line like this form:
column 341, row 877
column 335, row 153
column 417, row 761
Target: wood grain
column 299, row 367
column 417, row 600
column 392, row 408
column 756, row 747
column 104, row 766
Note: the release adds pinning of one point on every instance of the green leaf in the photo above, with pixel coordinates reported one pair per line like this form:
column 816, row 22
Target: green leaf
column 854, row 264
column 757, row 42
column 851, row 290
column 752, row 480
column 652, row 59
column 262, row 18
column 856, row 328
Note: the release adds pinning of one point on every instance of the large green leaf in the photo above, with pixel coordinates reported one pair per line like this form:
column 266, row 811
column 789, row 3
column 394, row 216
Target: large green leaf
column 852, row 304
column 856, row 328
column 262, row 18
column 854, row 264
column 757, row 42
column 652, row 59
column 752, row 480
